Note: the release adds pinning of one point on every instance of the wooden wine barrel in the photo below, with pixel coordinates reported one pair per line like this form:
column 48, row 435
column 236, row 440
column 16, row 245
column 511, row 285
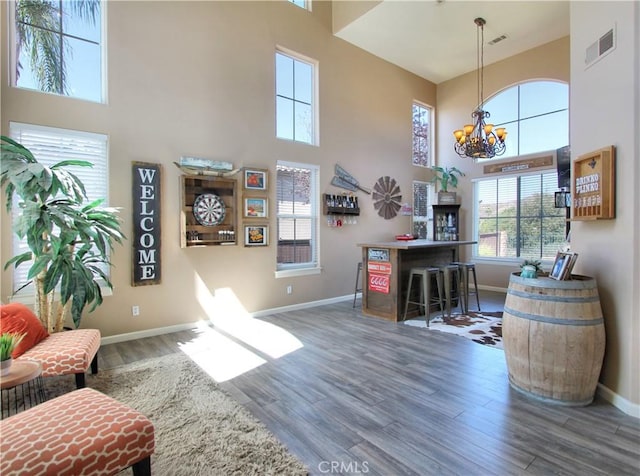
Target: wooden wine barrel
column 553, row 337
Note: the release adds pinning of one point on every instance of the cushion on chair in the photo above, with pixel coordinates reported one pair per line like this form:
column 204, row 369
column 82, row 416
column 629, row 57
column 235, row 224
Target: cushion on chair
column 66, row 352
column 19, row 319
column 81, row 433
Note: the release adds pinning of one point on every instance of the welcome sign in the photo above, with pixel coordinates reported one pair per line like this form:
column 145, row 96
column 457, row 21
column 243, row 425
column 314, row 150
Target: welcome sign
column 146, row 263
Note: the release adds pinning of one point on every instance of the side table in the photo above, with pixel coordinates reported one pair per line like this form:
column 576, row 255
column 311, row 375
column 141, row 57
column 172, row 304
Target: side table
column 22, row 387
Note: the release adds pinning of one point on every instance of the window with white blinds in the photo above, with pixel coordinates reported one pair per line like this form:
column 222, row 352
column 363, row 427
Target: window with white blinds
column 517, row 217
column 51, row 145
column 297, row 215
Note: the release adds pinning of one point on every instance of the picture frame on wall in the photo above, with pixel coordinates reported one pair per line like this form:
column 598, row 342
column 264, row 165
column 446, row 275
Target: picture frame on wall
column 254, row 179
column 256, row 235
column 256, row 207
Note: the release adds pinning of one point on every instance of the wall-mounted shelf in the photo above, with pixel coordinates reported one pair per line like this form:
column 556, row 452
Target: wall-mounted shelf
column 339, row 205
column 223, row 230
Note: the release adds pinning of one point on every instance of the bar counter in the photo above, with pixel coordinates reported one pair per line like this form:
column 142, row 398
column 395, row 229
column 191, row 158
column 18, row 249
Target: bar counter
column 386, row 267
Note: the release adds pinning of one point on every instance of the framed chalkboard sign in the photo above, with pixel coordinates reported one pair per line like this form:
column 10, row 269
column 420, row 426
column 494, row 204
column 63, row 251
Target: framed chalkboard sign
column 146, row 240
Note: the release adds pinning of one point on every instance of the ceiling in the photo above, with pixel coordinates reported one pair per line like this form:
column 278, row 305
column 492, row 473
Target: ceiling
column 436, row 39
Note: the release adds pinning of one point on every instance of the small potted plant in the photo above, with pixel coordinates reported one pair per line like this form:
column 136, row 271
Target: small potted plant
column 8, row 342
column 530, row 269
column 446, row 177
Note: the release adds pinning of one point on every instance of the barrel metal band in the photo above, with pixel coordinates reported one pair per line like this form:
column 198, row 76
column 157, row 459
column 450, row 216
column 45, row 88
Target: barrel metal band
column 547, row 297
column 554, row 320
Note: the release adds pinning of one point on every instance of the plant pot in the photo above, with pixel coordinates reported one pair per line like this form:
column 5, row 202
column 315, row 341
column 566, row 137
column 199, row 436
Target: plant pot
column 5, row 366
column 529, row 272
column 447, row 198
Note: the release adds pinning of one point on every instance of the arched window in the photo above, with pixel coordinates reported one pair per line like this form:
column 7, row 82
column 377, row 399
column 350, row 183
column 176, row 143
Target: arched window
column 536, row 115
column 515, row 214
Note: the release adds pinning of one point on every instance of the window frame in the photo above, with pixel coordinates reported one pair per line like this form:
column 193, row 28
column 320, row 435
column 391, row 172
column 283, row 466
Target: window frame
column 306, row 4
column 314, row 95
column 102, row 26
column 313, row 266
column 509, row 260
column 430, row 135
column 99, row 173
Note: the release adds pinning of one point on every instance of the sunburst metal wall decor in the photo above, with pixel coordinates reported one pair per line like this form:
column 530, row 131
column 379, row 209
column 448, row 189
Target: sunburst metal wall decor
column 387, row 198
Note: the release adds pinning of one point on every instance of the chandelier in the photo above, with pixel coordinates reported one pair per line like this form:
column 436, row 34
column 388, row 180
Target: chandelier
column 479, row 140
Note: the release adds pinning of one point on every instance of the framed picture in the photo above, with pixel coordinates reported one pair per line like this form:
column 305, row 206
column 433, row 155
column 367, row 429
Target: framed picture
column 255, row 207
column 560, row 265
column 255, row 179
column 256, row 235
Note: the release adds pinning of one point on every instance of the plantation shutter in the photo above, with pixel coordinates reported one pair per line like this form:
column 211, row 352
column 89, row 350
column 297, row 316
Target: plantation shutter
column 50, row 146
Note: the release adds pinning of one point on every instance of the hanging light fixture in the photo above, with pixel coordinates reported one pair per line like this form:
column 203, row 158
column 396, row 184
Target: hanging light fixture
column 479, row 140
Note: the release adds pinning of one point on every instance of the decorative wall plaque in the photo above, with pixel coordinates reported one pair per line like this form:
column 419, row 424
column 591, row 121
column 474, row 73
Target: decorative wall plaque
column 593, row 193
column 147, row 196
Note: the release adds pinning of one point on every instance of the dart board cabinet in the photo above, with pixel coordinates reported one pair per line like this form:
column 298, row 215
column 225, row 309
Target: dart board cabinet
column 208, row 211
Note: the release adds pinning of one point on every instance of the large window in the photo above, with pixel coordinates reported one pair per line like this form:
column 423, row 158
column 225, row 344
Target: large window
column 535, row 114
column 421, row 115
column 295, row 98
column 517, row 217
column 297, row 216
column 49, row 146
column 306, row 4
column 58, row 47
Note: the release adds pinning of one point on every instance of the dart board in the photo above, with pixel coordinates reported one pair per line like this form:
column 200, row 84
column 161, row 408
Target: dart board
column 209, row 209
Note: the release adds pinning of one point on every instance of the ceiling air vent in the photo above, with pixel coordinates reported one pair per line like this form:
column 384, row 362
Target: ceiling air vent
column 498, row 39
column 599, row 49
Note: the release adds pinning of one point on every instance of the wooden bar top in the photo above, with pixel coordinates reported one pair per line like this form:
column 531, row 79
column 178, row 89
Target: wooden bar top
column 414, row 244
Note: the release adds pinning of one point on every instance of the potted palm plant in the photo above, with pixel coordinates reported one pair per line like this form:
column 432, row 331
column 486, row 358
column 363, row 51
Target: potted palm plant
column 446, row 177
column 69, row 240
column 8, row 342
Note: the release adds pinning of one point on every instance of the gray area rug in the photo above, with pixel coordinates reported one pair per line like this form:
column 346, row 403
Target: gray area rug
column 199, row 429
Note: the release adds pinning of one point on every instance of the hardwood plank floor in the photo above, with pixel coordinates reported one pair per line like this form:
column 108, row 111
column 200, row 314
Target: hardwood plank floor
column 366, row 396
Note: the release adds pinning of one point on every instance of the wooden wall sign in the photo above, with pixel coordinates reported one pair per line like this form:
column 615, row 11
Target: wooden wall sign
column 593, row 194
column 146, row 262
column 518, row 165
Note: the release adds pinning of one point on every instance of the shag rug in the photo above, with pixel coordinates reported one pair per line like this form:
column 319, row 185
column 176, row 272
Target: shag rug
column 482, row 327
column 199, row 429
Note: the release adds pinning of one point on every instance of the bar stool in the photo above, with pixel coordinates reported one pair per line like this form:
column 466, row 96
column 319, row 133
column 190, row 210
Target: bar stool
column 451, row 274
column 357, row 289
column 467, row 269
column 425, row 274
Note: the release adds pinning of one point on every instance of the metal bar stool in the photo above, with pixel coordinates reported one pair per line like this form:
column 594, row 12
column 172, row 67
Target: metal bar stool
column 357, row 289
column 468, row 269
column 425, row 274
column 451, row 274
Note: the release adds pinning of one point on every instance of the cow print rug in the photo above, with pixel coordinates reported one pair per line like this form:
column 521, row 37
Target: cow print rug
column 481, row 327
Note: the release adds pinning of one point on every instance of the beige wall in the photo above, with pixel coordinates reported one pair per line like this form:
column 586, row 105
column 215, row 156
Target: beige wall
column 610, row 249
column 198, row 79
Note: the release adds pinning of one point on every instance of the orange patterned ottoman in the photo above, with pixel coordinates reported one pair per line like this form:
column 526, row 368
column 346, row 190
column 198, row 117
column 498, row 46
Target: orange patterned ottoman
column 81, row 433
column 67, row 352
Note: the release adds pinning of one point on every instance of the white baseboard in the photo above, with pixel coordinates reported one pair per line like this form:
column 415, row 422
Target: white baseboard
column 492, row 288
column 618, row 401
column 183, row 327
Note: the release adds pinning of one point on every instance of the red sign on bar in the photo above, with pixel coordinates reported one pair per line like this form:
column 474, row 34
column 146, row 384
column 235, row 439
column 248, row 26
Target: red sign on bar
column 379, row 283
column 379, row 267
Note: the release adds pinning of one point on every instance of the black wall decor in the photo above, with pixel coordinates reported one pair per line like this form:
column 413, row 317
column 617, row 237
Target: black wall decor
column 146, row 240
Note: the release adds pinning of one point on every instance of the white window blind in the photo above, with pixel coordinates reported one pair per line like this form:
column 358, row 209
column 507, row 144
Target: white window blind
column 51, row 145
column 517, row 217
column 297, row 215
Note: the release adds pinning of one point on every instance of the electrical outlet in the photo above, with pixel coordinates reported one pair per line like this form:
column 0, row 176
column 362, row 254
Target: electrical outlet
column 289, row 289
column 135, row 310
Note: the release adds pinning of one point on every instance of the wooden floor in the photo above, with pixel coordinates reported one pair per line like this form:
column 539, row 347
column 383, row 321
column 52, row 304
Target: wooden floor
column 367, row 396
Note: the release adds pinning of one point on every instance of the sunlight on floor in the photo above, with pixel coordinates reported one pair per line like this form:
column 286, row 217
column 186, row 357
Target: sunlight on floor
column 218, row 355
column 216, row 349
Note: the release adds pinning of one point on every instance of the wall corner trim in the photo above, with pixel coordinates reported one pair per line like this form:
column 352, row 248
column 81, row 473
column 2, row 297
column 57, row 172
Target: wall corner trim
column 619, row 401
